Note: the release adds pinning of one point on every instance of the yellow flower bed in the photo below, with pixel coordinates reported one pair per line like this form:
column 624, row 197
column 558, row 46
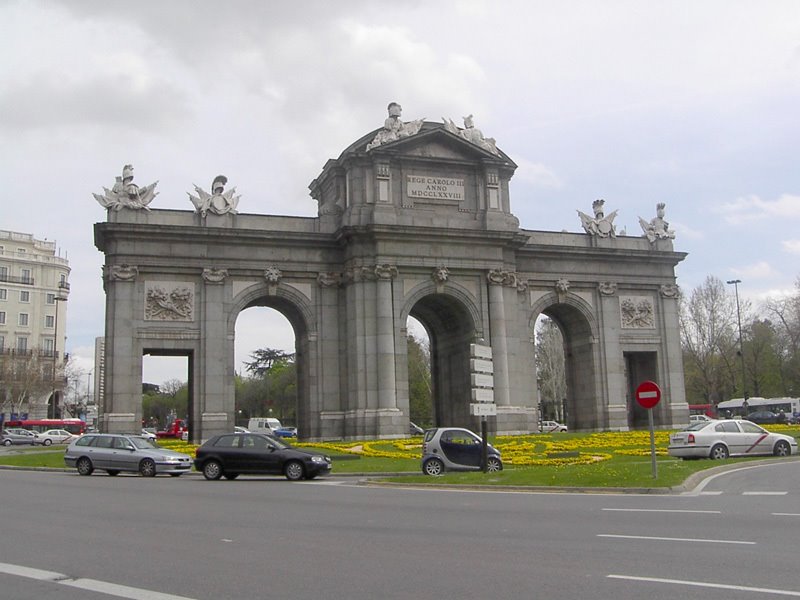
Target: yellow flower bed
column 521, row 450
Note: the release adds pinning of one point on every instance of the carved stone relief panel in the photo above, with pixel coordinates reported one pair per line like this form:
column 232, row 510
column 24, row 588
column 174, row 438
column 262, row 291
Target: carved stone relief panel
column 169, row 301
column 637, row 312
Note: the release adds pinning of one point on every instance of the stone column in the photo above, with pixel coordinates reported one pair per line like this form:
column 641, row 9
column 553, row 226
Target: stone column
column 123, row 384
column 497, row 322
column 387, row 386
column 214, row 399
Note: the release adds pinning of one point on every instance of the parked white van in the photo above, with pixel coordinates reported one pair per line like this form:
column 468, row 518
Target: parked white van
column 263, row 424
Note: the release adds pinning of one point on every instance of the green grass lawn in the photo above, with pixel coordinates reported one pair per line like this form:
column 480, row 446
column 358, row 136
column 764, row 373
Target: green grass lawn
column 594, row 460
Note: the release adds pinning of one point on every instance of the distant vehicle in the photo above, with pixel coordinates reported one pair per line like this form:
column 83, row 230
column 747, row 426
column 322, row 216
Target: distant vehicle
column 115, row 453
column 766, row 416
column 415, row 429
column 53, row 436
column 552, row 427
column 74, row 426
column 456, row 449
column 149, row 435
column 263, row 424
column 232, row 454
column 238, row 429
column 286, row 432
column 17, row 437
column 699, row 419
column 174, row 430
column 728, row 437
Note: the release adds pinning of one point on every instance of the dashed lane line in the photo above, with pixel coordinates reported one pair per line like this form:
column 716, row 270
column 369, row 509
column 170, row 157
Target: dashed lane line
column 705, row 584
column 93, row 585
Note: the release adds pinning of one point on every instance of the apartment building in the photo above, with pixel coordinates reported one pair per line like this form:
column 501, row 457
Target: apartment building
column 34, row 287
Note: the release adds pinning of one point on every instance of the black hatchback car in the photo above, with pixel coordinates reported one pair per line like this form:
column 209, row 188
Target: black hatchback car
column 231, row 454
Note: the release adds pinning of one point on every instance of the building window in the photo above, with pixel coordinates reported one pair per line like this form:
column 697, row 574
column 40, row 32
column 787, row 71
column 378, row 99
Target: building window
column 3, row 273
column 3, row 294
column 2, row 343
column 24, row 296
column 51, row 298
column 26, row 275
column 23, row 319
column 2, row 317
column 49, row 321
column 49, row 346
column 22, row 344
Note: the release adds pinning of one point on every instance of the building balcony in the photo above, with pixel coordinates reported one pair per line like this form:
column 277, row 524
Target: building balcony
column 16, row 279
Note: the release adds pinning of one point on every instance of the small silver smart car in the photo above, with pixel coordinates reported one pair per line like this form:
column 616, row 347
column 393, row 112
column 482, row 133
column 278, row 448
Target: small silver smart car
column 456, row 449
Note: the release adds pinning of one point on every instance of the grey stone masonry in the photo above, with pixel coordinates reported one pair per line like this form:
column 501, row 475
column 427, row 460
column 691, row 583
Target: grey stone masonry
column 419, row 224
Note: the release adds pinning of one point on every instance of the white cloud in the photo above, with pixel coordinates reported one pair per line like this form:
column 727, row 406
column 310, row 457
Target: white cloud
column 753, row 208
column 791, row 246
column 537, row 174
column 759, row 270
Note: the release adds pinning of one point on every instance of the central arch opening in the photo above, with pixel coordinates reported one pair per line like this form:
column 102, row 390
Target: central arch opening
column 450, row 329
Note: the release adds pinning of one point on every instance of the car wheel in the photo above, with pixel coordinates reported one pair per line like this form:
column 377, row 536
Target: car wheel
column 47, row 442
column 782, row 449
column 493, row 464
column 147, row 468
column 84, row 466
column 212, row 470
column 231, row 476
column 719, row 452
column 433, row 466
column 6, row 442
column 293, row 470
column 113, row 472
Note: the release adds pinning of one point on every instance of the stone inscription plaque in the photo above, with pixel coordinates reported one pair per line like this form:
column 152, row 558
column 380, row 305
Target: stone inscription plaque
column 427, row 187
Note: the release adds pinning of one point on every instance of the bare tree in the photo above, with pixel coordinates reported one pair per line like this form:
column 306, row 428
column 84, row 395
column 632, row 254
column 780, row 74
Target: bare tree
column 709, row 337
column 785, row 316
column 551, row 368
column 26, row 377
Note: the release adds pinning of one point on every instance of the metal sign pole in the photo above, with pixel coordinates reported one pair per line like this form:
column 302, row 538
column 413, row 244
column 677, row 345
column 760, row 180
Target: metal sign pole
column 652, row 443
column 484, row 445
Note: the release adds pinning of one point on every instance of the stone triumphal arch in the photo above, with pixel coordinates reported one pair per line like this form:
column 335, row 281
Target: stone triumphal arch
column 414, row 220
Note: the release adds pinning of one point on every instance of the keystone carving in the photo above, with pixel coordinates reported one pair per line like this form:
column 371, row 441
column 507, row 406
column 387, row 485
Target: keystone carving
column 273, row 274
column 607, row 288
column 670, row 290
column 121, row 272
column 212, row 275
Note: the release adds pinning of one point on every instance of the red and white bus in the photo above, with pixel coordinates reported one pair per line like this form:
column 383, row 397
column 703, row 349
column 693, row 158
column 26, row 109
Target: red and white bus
column 74, row 426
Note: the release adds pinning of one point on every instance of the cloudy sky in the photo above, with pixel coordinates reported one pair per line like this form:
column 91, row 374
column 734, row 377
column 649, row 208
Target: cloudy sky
column 689, row 102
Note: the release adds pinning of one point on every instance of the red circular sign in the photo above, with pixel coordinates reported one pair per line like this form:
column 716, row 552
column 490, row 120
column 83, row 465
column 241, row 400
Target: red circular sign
column 648, row 394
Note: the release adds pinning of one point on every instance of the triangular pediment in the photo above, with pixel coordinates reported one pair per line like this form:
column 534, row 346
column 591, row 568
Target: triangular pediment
column 432, row 141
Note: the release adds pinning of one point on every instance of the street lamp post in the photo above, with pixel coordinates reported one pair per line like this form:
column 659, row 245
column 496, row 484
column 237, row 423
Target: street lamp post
column 735, row 283
column 51, row 408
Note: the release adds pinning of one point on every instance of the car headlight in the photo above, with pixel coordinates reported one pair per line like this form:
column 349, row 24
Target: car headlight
column 320, row 459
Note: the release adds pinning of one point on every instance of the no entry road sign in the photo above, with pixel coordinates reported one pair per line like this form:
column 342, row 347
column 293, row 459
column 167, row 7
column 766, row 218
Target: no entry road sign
column 648, row 394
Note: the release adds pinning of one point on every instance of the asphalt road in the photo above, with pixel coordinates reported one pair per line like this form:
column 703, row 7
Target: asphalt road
column 259, row 537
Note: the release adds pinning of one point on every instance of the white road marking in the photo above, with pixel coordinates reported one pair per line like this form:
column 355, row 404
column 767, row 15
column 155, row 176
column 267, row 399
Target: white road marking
column 764, row 493
column 719, row 586
column 664, row 510
column 669, row 539
column 708, row 494
column 786, row 514
column 104, row 587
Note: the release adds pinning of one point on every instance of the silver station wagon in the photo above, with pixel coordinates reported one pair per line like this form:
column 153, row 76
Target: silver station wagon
column 114, row 453
column 729, row 437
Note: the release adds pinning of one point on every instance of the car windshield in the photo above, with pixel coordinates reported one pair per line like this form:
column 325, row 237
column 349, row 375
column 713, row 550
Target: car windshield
column 142, row 443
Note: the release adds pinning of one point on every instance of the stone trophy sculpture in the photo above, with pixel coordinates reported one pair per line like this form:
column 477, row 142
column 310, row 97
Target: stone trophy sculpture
column 126, row 194
column 218, row 201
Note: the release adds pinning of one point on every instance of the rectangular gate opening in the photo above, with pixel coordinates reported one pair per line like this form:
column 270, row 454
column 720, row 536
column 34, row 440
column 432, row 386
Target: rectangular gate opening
column 168, row 390
column 639, row 367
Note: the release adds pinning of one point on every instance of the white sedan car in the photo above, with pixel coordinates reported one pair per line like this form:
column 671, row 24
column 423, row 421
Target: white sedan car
column 552, row 427
column 54, row 436
column 729, row 437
